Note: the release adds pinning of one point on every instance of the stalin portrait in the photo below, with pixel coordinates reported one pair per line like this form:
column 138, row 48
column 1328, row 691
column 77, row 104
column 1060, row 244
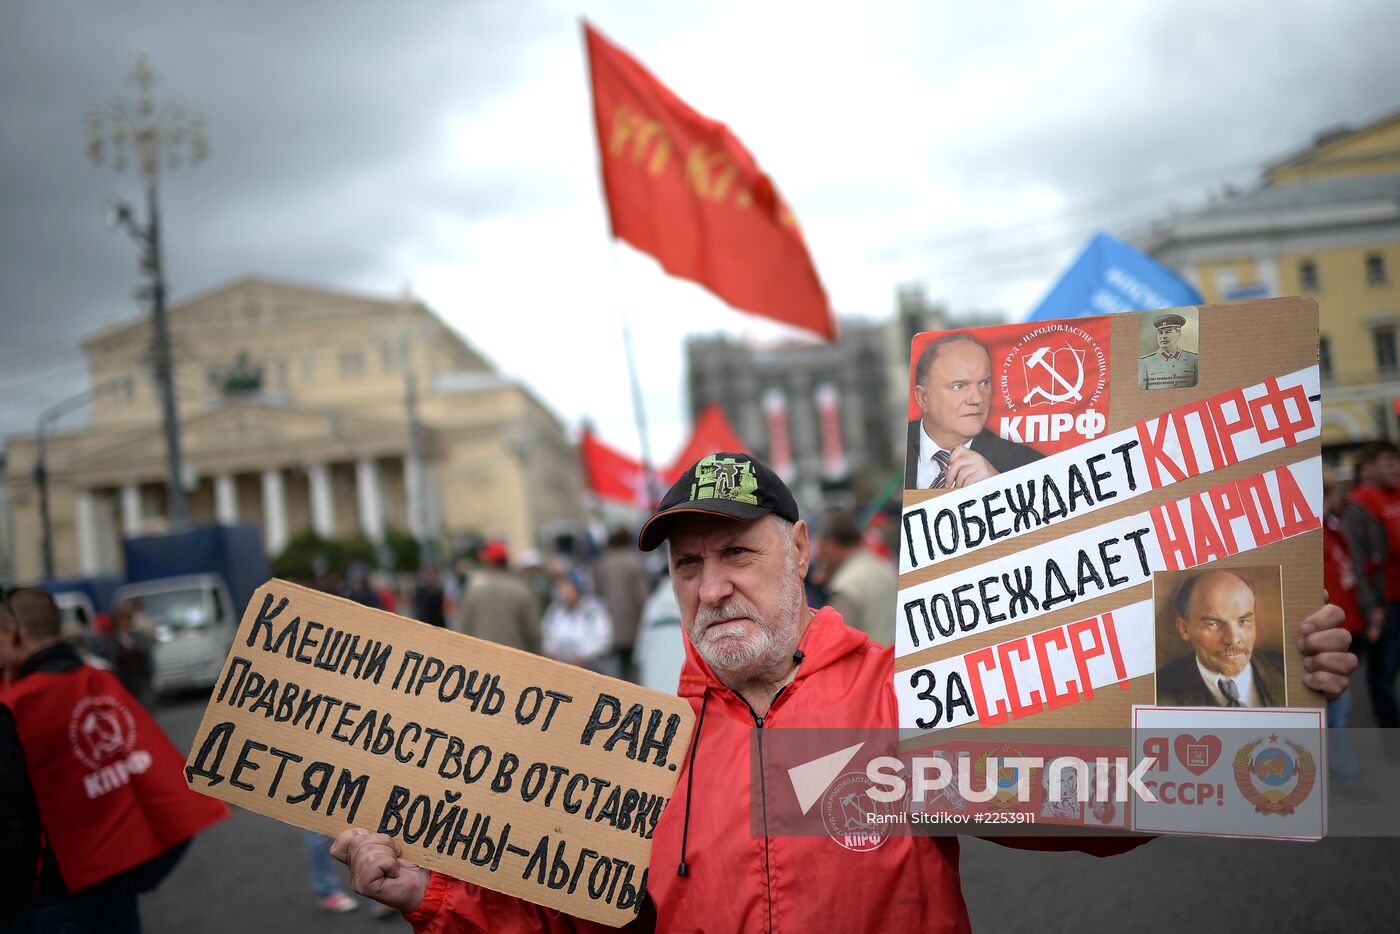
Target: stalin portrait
column 1169, row 366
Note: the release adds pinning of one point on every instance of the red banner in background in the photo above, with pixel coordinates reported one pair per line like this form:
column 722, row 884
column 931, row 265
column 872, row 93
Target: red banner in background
column 613, row 475
column 712, row 433
column 682, row 188
column 779, row 442
column 833, row 440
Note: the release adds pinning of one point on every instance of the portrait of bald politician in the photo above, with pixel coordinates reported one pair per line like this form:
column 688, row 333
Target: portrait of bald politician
column 1215, row 615
column 949, row 444
column 756, row 656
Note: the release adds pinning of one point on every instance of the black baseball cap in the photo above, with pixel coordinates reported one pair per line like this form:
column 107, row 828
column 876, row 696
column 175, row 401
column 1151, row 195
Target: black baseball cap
column 732, row 485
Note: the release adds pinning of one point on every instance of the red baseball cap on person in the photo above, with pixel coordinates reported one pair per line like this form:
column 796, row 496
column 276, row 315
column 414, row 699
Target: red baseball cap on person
column 495, row 552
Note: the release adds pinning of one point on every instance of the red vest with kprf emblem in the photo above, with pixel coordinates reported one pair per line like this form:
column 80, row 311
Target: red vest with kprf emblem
column 110, row 784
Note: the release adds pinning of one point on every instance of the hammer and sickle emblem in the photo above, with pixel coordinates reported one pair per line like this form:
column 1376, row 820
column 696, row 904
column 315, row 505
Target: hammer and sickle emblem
column 103, row 734
column 1044, row 359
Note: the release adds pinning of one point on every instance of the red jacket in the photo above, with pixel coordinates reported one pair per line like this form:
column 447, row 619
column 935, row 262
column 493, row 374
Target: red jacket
column 109, row 784
column 741, row 882
column 1384, row 507
column 1339, row 575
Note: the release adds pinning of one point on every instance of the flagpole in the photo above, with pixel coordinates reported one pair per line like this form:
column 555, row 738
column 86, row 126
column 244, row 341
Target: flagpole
column 639, row 410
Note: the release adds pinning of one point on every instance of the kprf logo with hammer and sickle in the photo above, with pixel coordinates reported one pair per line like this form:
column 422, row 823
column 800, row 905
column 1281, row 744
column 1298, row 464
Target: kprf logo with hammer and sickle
column 1050, row 385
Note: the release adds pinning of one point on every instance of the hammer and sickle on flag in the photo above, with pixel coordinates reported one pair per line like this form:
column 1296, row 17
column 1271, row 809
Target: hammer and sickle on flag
column 1045, row 359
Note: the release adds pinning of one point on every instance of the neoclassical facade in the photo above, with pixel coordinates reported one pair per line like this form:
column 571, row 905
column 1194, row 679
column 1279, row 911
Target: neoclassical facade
column 293, row 415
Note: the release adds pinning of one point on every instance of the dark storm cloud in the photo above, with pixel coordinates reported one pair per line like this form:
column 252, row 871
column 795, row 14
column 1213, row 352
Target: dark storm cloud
column 323, row 118
column 357, row 144
column 1161, row 111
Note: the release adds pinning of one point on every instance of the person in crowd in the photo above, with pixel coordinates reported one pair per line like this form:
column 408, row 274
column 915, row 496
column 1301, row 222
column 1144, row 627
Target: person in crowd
column 496, row 605
column 1371, row 521
column 329, row 895
column 757, row 656
column 428, row 597
column 358, row 587
column 577, row 629
column 538, row 576
column 79, row 838
column 949, row 444
column 660, row 647
column 129, row 652
column 861, row 587
column 385, row 587
column 1339, row 580
column 621, row 581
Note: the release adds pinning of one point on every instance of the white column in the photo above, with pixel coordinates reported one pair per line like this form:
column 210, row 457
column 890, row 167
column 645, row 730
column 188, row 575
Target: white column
column 89, row 561
column 274, row 512
column 1267, row 266
column 413, row 496
column 322, row 503
column 225, row 499
column 131, row 509
column 368, row 497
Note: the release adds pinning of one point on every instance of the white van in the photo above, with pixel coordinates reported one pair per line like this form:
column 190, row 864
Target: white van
column 191, row 623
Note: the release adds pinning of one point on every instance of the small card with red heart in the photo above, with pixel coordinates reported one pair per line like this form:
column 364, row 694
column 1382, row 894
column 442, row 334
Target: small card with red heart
column 1235, row 772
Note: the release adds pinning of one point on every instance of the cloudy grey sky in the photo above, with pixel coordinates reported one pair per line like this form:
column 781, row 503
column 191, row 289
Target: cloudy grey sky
column 363, row 145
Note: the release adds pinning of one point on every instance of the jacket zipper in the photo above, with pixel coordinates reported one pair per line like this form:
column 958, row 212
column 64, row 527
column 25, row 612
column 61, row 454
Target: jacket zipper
column 763, row 802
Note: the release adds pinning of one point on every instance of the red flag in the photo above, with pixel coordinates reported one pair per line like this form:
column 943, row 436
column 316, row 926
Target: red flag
column 712, row 433
column 681, row 187
column 612, row 474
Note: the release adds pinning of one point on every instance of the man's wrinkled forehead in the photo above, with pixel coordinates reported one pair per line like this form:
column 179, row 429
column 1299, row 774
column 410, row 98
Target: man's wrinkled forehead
column 687, row 533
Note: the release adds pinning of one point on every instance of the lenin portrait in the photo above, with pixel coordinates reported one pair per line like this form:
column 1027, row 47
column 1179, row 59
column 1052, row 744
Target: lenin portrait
column 1219, row 637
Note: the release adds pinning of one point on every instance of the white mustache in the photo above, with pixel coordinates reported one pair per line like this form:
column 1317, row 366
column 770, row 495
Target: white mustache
column 732, row 608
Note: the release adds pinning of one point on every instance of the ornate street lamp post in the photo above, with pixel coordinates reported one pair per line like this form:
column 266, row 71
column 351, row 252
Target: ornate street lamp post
column 170, row 133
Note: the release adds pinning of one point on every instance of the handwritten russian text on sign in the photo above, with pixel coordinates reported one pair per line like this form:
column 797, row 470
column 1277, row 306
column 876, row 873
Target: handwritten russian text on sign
column 502, row 768
column 1042, row 569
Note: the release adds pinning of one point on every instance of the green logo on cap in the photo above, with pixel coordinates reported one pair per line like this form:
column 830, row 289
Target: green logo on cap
column 725, row 478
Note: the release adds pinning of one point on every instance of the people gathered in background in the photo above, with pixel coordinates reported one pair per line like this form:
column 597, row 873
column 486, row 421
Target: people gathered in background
column 496, row 604
column 623, row 585
column 577, row 629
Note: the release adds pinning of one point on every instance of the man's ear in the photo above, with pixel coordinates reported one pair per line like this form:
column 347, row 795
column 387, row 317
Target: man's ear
column 921, row 398
column 1181, row 629
column 802, row 541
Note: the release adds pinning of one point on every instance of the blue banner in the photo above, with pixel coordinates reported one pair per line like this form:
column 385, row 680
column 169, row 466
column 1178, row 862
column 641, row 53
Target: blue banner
column 1111, row 276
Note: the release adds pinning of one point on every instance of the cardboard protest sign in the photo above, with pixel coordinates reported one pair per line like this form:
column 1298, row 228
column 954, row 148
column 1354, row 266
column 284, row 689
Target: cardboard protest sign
column 518, row 773
column 1100, row 476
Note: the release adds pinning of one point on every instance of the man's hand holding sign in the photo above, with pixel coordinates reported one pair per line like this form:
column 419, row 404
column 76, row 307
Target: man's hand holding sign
column 520, row 773
column 377, row 870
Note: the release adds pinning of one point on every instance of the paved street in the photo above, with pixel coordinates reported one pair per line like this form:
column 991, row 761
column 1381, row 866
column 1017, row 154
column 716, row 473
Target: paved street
column 249, row 875
column 246, row 875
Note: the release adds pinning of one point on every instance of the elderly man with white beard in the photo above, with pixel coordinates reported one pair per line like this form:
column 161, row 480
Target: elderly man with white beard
column 758, row 657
